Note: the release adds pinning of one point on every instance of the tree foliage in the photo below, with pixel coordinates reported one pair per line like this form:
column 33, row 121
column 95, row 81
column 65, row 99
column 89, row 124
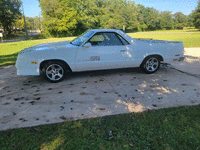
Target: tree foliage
column 151, row 18
column 196, row 16
column 190, row 20
column 32, row 23
column 67, row 17
column 166, row 20
column 20, row 23
column 60, row 18
column 180, row 20
column 9, row 13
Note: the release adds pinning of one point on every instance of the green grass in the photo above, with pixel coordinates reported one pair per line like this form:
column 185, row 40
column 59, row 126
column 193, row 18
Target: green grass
column 186, row 29
column 171, row 128
column 14, row 47
column 188, row 39
column 9, row 51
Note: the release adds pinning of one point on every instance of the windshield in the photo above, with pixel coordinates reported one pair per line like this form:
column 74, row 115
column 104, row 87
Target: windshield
column 82, row 38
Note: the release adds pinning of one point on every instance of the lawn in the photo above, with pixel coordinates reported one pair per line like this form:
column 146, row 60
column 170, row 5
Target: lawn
column 171, row 128
column 186, row 29
column 188, row 39
column 9, row 51
column 189, row 36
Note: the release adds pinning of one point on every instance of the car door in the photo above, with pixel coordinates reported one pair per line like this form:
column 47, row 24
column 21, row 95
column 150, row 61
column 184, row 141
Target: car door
column 105, row 52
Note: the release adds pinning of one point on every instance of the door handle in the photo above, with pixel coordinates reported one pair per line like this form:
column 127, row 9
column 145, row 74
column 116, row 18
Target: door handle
column 123, row 51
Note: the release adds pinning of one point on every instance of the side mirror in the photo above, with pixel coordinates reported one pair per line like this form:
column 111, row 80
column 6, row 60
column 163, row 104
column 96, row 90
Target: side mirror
column 87, row 45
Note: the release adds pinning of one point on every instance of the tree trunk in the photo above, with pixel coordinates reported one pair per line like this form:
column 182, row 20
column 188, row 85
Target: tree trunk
column 9, row 30
column 4, row 31
column 15, row 29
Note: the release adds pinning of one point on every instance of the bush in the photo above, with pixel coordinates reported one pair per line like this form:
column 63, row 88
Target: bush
column 179, row 26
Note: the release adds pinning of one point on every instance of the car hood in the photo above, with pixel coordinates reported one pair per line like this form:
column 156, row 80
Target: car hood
column 48, row 46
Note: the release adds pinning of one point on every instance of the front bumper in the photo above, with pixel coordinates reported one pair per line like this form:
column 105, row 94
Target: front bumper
column 24, row 66
column 26, row 71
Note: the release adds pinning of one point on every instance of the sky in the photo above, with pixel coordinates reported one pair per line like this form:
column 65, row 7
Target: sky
column 184, row 6
column 32, row 9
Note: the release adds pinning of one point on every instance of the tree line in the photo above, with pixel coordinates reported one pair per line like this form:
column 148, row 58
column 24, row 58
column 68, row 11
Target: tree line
column 9, row 13
column 11, row 18
column 32, row 23
column 68, row 18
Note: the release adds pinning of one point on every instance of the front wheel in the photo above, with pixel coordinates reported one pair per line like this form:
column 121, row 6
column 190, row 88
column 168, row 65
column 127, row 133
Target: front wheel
column 151, row 64
column 54, row 71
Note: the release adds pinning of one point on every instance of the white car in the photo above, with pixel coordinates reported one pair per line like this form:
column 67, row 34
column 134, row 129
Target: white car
column 97, row 49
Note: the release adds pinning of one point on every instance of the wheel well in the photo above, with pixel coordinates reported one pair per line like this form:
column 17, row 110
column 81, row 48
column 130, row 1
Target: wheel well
column 159, row 56
column 45, row 61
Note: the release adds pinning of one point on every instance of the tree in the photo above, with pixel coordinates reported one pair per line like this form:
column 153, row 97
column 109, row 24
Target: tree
column 115, row 15
column 119, row 13
column 130, row 15
column 196, row 16
column 20, row 23
column 140, row 17
column 91, row 13
column 67, row 17
column 180, row 17
column 151, row 18
column 38, row 23
column 9, row 13
column 31, row 23
column 180, row 20
column 190, row 20
column 59, row 17
column 166, row 20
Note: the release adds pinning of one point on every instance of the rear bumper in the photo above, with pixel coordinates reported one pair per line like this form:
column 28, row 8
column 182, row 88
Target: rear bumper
column 179, row 59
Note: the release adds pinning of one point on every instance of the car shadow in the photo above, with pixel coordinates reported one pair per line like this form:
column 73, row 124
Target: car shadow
column 104, row 72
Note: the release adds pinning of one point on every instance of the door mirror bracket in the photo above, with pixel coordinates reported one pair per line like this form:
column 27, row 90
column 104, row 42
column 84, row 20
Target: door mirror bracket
column 87, row 45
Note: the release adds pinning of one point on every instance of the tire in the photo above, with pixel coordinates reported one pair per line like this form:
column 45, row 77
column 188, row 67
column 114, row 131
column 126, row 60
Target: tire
column 54, row 71
column 151, row 64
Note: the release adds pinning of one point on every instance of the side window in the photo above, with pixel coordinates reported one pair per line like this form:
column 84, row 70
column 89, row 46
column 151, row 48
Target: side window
column 105, row 39
column 96, row 39
column 122, row 39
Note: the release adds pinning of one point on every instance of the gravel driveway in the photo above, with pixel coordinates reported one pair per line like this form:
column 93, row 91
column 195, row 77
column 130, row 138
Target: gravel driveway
column 29, row 100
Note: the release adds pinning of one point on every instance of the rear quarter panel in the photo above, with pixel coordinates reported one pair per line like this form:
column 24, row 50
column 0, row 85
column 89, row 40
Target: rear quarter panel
column 166, row 49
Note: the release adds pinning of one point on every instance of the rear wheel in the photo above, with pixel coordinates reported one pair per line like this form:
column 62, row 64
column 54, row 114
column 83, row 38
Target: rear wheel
column 151, row 64
column 54, row 71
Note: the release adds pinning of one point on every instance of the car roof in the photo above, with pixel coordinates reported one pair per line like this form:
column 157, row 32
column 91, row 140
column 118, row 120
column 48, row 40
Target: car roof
column 104, row 30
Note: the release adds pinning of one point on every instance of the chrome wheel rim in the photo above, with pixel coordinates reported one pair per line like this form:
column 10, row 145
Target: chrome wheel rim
column 152, row 64
column 54, row 72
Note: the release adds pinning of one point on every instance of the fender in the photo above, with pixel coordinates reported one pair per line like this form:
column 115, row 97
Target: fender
column 153, row 53
column 70, row 65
